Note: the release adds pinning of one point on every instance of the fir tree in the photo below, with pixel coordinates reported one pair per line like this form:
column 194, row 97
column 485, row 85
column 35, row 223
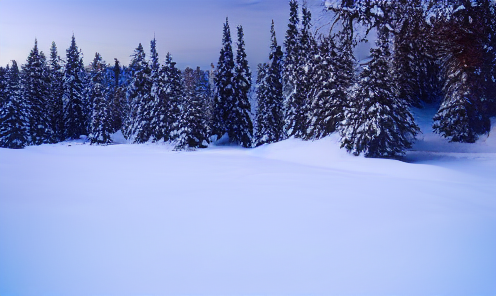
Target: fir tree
column 171, row 107
column 35, row 89
column 194, row 128
column 56, row 91
column 101, row 119
column 464, row 36
column 223, row 100
column 75, row 120
column 328, row 97
column 14, row 122
column 377, row 123
column 139, row 97
column 118, row 97
column 3, row 86
column 291, row 74
column 270, row 117
column 240, row 126
column 159, row 97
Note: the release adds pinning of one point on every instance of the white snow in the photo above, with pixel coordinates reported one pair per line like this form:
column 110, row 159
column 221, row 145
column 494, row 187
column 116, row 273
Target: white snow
column 292, row 218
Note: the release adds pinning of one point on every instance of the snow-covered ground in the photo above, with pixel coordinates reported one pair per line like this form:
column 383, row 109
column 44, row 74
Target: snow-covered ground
column 292, row 218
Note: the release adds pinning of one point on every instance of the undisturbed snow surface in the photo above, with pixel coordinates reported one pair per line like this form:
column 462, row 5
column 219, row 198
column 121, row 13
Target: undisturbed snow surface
column 292, row 218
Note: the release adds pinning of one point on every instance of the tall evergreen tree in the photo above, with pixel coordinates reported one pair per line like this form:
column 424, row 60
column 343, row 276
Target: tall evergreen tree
column 118, row 97
column 14, row 122
column 328, row 98
column 3, row 86
column 75, row 120
column 171, row 108
column 101, row 119
column 463, row 114
column 291, row 74
column 159, row 97
column 194, row 128
column 270, row 116
column 139, row 97
column 56, row 92
column 35, row 82
column 224, row 88
column 240, row 126
column 378, row 123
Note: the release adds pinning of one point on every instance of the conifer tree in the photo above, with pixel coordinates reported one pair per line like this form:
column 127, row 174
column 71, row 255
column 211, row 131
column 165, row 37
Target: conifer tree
column 139, row 97
column 291, row 75
column 463, row 114
column 270, row 116
column 118, row 97
column 378, row 123
column 171, row 109
column 223, row 100
column 75, row 120
column 56, row 91
column 3, row 86
column 35, row 90
column 14, row 122
column 328, row 97
column 159, row 97
column 240, row 126
column 194, row 128
column 101, row 119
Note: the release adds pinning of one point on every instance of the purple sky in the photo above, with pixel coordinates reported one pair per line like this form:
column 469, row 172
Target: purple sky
column 190, row 29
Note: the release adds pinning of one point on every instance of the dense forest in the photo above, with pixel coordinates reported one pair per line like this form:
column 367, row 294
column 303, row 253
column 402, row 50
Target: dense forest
column 426, row 52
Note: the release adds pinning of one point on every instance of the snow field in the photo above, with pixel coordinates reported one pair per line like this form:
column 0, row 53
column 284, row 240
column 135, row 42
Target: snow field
column 292, row 218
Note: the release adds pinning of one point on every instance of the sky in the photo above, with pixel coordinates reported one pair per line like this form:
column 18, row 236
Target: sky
column 191, row 30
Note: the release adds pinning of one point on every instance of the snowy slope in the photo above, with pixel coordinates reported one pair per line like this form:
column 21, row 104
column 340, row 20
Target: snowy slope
column 292, row 218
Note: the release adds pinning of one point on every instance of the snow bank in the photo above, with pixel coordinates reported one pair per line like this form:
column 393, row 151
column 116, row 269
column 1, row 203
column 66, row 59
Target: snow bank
column 290, row 218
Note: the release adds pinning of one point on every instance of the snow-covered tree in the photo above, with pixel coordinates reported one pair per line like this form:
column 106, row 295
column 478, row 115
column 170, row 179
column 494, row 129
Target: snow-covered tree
column 294, row 116
column 464, row 46
column 14, row 122
column 35, row 82
column 224, row 88
column 55, row 102
column 139, row 129
column 170, row 111
column 194, row 122
column 3, row 86
column 75, row 120
column 239, row 124
column 378, row 123
column 328, row 97
column 270, row 116
column 101, row 119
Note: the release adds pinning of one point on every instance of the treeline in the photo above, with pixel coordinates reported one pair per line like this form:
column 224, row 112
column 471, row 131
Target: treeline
column 426, row 52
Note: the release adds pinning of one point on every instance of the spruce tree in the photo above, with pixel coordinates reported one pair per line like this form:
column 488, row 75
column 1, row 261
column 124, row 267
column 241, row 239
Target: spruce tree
column 240, row 126
column 378, row 123
column 118, row 97
column 14, row 122
column 3, row 86
column 101, row 119
column 159, row 97
column 56, row 92
column 464, row 40
column 224, row 88
column 171, row 109
column 75, row 120
column 139, row 97
column 194, row 128
column 291, row 75
column 328, row 97
column 270, row 116
column 35, row 88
